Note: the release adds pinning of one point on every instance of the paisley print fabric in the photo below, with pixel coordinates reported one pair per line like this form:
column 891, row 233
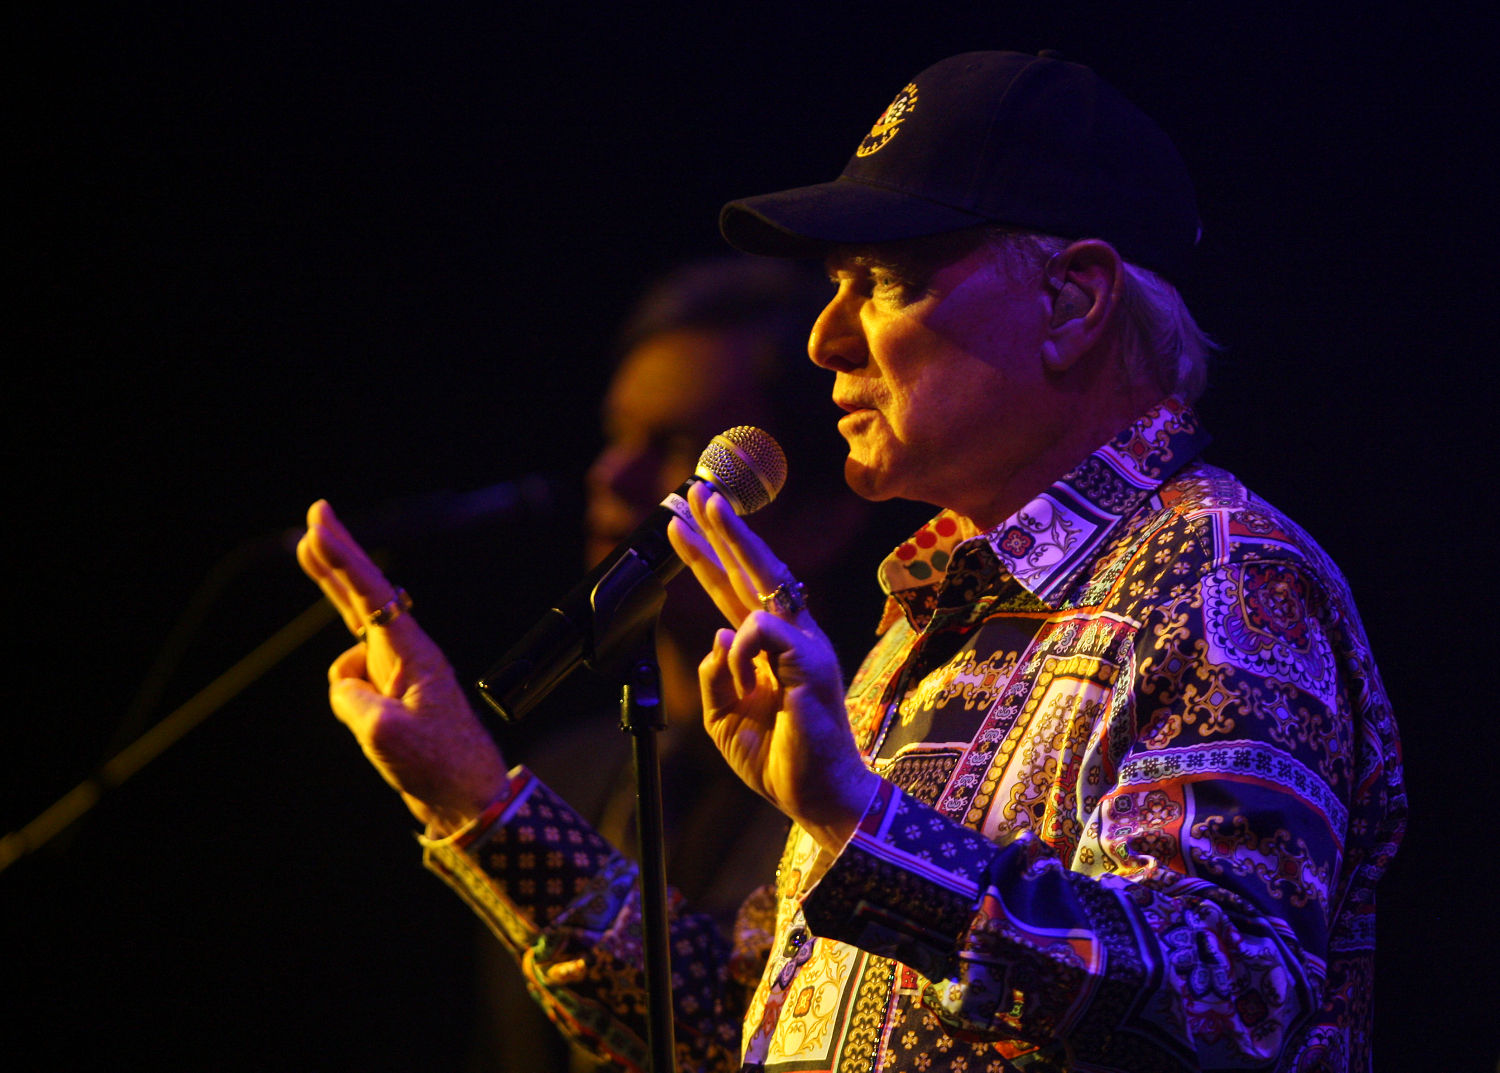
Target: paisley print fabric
column 1141, row 778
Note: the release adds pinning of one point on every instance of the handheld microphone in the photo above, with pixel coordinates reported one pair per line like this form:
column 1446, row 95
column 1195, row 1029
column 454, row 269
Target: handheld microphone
column 744, row 464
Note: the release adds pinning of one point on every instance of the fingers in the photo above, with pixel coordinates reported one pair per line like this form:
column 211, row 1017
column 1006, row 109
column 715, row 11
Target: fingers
column 357, row 704
column 324, row 553
column 761, row 646
column 316, row 557
column 347, row 575
column 349, row 664
column 698, row 555
column 352, row 696
column 730, row 672
column 725, row 534
column 720, row 691
column 748, row 563
column 765, row 652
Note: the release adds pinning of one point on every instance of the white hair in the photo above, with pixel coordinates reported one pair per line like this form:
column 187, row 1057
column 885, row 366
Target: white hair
column 1162, row 341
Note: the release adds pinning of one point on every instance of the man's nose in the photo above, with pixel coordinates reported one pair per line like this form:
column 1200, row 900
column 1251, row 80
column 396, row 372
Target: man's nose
column 837, row 339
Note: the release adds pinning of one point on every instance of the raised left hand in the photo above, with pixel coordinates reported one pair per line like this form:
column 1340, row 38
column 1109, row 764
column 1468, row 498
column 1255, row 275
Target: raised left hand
column 397, row 692
column 772, row 690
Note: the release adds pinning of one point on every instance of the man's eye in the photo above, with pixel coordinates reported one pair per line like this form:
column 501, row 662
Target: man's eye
column 889, row 285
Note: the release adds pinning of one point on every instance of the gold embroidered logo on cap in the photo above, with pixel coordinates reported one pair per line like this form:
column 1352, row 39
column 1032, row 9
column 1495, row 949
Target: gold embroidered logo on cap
column 890, row 121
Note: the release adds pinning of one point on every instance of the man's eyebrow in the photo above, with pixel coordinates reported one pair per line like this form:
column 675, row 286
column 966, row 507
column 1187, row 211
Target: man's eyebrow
column 852, row 260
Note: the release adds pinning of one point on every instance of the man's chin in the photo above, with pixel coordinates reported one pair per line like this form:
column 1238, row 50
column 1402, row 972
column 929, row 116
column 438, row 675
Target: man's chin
column 866, row 481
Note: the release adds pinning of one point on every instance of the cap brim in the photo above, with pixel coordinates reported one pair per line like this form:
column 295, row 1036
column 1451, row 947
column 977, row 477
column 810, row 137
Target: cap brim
column 806, row 221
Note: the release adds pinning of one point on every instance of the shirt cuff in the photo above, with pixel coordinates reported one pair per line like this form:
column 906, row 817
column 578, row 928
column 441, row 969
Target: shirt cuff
column 510, row 796
column 905, row 886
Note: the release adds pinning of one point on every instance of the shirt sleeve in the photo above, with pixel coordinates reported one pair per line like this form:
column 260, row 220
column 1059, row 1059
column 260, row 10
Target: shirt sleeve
column 566, row 904
column 1187, row 925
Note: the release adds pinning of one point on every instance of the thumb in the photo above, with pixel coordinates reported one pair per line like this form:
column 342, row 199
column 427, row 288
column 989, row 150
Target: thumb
column 349, row 664
column 357, row 703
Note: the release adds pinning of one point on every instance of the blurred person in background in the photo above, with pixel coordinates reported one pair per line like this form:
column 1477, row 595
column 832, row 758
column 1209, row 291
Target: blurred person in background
column 713, row 343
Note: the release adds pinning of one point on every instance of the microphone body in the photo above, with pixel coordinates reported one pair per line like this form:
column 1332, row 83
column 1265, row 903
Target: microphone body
column 588, row 624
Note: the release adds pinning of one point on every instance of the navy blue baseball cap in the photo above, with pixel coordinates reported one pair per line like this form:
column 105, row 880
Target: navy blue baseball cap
column 1033, row 142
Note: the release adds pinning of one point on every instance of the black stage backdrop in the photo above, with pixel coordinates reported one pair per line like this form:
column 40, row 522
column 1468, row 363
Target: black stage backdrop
column 270, row 252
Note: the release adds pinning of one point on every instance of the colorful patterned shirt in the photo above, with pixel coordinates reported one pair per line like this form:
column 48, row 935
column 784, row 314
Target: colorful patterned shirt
column 1140, row 779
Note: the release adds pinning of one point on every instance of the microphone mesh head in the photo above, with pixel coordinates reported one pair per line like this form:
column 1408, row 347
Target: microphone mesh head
column 746, row 465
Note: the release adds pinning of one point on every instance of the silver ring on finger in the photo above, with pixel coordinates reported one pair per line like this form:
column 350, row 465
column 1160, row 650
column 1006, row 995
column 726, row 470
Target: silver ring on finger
column 785, row 599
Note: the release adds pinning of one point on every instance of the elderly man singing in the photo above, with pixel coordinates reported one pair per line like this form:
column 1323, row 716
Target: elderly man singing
column 1112, row 789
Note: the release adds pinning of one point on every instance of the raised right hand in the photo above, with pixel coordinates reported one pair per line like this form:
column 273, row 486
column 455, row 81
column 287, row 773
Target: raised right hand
column 397, row 692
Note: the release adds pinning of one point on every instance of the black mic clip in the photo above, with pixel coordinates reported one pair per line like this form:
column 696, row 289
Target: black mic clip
column 626, row 604
column 596, row 624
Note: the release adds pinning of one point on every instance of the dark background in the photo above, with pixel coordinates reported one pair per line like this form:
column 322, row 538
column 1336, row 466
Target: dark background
column 272, row 252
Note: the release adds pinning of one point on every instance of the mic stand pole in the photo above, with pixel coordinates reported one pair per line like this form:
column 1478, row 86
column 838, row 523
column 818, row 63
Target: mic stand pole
column 172, row 728
column 641, row 718
column 627, row 603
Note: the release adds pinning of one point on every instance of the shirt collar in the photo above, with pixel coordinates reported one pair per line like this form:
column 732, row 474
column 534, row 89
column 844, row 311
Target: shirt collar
column 1045, row 542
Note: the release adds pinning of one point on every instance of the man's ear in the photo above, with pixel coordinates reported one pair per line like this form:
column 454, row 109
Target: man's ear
column 1084, row 282
column 1069, row 303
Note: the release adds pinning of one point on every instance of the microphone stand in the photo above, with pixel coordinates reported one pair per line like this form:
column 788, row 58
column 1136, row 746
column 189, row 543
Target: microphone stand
column 172, row 728
column 641, row 718
column 627, row 603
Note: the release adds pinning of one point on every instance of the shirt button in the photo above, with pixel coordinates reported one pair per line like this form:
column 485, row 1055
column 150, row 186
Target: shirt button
column 794, row 940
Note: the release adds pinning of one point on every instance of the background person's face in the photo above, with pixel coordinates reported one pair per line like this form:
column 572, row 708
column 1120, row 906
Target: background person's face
column 670, row 396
